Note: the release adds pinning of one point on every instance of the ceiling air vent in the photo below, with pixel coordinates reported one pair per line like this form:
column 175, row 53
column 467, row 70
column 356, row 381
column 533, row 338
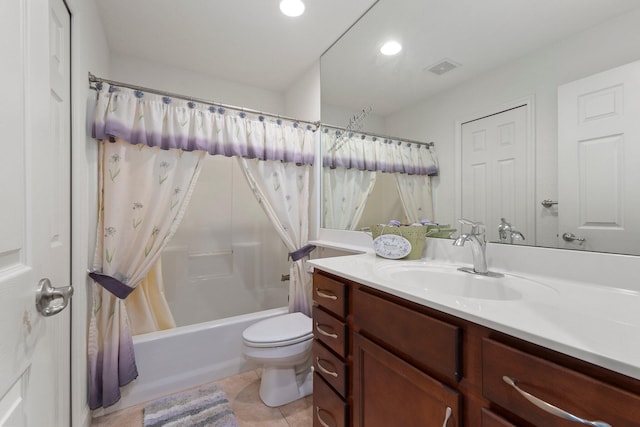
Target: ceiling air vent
column 442, row 67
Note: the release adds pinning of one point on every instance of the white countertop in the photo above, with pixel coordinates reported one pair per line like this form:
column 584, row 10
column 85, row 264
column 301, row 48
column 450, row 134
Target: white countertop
column 598, row 324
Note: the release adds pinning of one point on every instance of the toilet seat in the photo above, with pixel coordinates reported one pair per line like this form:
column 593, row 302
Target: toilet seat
column 279, row 331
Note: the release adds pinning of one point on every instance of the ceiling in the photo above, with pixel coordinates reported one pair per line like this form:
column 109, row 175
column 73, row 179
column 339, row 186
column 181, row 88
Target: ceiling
column 244, row 41
column 251, row 42
column 478, row 35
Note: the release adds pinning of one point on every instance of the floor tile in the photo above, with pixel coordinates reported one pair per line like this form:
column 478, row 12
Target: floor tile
column 242, row 391
column 298, row 413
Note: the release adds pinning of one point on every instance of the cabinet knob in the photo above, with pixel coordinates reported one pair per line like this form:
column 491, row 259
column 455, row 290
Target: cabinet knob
column 553, row 410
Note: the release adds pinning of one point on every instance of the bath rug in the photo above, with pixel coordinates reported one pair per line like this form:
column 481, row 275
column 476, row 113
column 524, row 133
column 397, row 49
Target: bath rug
column 206, row 406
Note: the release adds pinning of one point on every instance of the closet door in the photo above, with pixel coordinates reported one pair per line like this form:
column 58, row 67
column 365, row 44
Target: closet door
column 496, row 173
column 34, row 212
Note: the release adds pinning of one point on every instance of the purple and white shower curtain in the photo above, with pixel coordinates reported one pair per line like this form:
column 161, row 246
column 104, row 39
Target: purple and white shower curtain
column 151, row 147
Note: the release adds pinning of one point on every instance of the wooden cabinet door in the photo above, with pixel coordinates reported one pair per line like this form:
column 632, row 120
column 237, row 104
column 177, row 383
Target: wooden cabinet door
column 388, row 391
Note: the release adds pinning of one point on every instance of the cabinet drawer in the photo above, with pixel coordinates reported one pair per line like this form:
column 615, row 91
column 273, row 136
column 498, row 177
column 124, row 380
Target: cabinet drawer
column 428, row 342
column 387, row 391
column 571, row 391
column 330, row 294
column 331, row 331
column 331, row 368
column 328, row 408
column 489, row 419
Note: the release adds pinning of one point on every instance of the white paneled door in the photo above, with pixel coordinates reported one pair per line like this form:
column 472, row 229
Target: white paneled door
column 34, row 212
column 598, row 155
column 496, row 175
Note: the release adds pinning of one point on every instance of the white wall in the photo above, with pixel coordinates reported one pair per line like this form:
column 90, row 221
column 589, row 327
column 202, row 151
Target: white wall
column 90, row 53
column 614, row 43
column 340, row 116
column 226, row 258
column 155, row 75
column 302, row 98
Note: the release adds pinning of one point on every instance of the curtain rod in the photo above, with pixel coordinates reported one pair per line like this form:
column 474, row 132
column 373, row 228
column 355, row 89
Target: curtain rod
column 94, row 79
column 412, row 141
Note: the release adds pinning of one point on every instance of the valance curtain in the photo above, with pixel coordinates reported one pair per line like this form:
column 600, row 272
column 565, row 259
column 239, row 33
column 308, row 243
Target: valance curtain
column 350, row 162
column 363, row 152
column 149, row 162
column 159, row 121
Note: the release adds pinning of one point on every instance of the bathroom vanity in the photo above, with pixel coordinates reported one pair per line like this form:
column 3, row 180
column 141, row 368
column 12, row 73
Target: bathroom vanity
column 386, row 354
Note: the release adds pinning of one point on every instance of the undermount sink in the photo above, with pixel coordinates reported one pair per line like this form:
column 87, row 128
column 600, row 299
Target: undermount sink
column 450, row 281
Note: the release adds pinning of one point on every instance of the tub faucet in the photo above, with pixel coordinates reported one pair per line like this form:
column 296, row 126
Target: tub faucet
column 478, row 248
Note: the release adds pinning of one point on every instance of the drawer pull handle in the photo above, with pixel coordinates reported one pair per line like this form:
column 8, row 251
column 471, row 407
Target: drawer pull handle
column 325, row 333
column 325, row 370
column 325, row 295
column 447, row 415
column 554, row 410
column 322, row 422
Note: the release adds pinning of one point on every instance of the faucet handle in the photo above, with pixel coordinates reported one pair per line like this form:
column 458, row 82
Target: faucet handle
column 504, row 227
column 476, row 227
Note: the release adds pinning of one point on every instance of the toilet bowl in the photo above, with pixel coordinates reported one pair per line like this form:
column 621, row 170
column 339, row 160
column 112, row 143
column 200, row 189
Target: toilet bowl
column 282, row 345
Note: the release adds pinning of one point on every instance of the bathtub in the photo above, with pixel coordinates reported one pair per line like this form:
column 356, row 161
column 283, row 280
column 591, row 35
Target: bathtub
column 176, row 359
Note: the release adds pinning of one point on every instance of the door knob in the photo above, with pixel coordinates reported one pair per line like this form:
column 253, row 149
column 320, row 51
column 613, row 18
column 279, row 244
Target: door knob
column 46, row 296
column 570, row 237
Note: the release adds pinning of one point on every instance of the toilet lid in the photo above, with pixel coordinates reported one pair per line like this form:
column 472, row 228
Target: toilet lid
column 279, row 330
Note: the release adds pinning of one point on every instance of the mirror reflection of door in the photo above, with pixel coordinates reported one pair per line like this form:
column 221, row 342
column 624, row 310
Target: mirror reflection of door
column 599, row 182
column 494, row 172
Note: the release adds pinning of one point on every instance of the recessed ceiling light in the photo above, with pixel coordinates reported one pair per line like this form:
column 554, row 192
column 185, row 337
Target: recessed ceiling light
column 391, row 48
column 292, row 7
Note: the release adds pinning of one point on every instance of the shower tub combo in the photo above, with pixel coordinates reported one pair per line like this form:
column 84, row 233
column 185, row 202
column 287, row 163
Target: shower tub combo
column 177, row 359
column 199, row 286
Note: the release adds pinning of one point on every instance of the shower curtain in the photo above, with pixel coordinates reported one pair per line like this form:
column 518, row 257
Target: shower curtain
column 151, row 147
column 282, row 189
column 345, row 190
column 143, row 193
column 416, row 197
column 350, row 163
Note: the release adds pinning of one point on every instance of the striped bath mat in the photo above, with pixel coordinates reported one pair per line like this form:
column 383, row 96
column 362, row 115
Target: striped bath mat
column 204, row 407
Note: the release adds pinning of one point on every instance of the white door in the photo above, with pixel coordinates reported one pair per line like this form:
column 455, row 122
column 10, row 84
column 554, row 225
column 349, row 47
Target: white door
column 598, row 157
column 495, row 172
column 34, row 211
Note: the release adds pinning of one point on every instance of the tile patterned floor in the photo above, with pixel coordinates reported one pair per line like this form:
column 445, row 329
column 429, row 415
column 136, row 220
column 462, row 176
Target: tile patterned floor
column 242, row 392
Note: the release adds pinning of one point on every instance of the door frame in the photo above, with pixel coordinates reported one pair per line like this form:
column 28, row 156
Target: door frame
column 529, row 103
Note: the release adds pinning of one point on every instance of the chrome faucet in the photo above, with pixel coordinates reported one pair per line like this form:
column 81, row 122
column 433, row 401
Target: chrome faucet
column 478, row 248
column 507, row 233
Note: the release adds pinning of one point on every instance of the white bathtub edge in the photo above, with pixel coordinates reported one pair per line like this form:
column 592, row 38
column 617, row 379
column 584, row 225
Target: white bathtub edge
column 159, row 359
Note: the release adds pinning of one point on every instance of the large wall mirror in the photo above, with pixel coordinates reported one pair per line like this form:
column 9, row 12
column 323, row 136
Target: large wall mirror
column 534, row 109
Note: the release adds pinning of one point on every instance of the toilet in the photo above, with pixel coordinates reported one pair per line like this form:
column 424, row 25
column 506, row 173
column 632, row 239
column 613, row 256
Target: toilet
column 282, row 345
